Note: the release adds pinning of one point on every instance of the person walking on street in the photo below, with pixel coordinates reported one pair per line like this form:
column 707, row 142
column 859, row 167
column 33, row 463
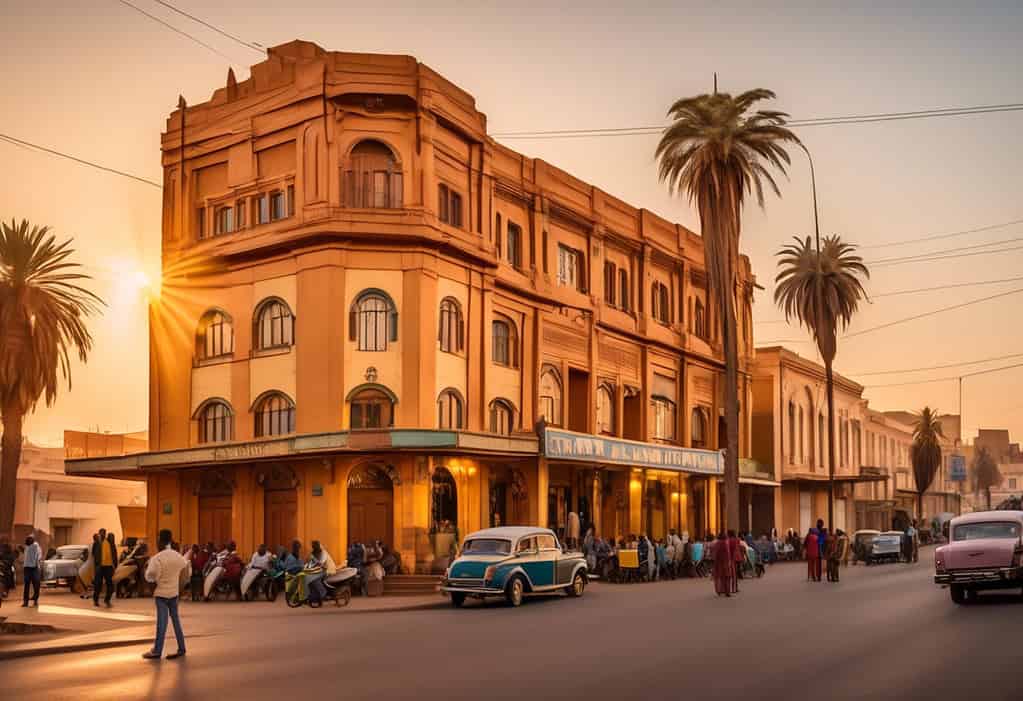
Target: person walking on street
column 831, row 554
column 840, row 553
column 813, row 562
column 724, row 566
column 104, row 555
column 33, row 560
column 914, row 542
column 737, row 555
column 164, row 570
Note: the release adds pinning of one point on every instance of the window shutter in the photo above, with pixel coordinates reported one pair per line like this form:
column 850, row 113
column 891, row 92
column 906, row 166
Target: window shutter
column 461, row 333
column 353, row 331
column 442, row 203
column 392, row 317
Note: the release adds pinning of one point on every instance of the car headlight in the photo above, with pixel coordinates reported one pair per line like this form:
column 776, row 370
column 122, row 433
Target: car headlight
column 939, row 566
column 490, row 573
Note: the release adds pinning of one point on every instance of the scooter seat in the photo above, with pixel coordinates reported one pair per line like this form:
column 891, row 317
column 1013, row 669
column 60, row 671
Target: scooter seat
column 342, row 575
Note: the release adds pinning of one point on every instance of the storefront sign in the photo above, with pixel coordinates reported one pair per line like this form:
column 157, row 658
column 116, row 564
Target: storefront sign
column 567, row 445
column 957, row 468
column 250, row 450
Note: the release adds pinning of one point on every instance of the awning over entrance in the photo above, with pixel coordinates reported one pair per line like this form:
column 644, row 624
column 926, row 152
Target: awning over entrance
column 584, row 447
column 309, row 445
column 840, row 479
column 758, row 481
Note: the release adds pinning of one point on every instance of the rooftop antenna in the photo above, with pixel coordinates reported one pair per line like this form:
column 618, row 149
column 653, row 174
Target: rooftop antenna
column 715, row 83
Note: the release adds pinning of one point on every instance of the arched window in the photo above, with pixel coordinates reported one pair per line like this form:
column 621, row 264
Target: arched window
column 275, row 415
column 373, row 321
column 659, row 303
column 550, row 396
column 452, row 327
column 504, row 349
column 372, row 177
column 275, row 326
column 215, row 338
column 698, row 428
column 502, row 417
column 792, row 432
column 821, row 437
column 664, row 418
column 605, row 410
column 700, row 320
column 372, row 407
column 801, row 437
column 449, row 409
column 216, row 421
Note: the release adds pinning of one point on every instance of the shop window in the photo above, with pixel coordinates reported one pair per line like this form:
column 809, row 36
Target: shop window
column 373, row 177
column 664, row 418
column 275, row 415
column 449, row 206
column 502, row 417
column 372, row 408
column 444, row 502
column 698, row 428
column 216, row 422
column 504, row 343
column 550, row 397
column 450, row 410
column 373, row 321
column 452, row 326
column 605, row 410
column 215, row 338
column 275, row 326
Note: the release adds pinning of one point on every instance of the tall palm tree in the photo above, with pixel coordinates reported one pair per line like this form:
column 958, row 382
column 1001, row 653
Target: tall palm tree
column 985, row 473
column 925, row 453
column 717, row 151
column 42, row 320
column 822, row 290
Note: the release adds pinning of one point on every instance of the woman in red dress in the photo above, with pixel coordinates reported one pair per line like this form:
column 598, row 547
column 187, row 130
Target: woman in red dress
column 738, row 558
column 811, row 547
column 724, row 567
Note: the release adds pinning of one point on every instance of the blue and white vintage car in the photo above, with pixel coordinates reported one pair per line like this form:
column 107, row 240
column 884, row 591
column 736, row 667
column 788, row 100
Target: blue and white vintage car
column 514, row 561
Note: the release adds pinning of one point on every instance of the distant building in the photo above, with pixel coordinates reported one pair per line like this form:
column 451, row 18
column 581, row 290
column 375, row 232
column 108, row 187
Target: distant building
column 63, row 509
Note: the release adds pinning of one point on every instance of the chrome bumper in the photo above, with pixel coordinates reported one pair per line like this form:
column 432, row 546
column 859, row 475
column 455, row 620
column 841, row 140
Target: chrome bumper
column 988, row 575
column 478, row 591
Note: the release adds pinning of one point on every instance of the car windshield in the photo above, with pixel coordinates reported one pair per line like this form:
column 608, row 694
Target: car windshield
column 486, row 546
column 992, row 529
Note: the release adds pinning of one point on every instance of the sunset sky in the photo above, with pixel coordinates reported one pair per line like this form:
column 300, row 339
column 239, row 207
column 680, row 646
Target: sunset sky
column 98, row 80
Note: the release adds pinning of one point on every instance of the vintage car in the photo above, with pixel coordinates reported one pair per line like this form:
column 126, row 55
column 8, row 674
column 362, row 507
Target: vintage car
column 513, row 562
column 861, row 544
column 885, row 547
column 984, row 552
column 62, row 568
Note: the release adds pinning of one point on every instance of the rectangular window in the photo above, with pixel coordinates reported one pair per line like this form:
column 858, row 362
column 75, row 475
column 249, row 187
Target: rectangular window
column 449, row 206
column 200, row 223
column 624, row 293
column 380, row 183
column 664, row 419
column 568, row 267
column 442, row 203
column 291, row 200
column 515, row 244
column 263, row 209
column 278, row 207
column 223, row 221
column 609, row 282
column 239, row 214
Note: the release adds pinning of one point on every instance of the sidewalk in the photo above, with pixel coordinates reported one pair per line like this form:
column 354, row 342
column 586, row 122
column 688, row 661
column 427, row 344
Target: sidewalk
column 71, row 624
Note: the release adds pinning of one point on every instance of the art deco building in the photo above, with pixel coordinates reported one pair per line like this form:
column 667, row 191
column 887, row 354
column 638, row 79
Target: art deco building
column 370, row 309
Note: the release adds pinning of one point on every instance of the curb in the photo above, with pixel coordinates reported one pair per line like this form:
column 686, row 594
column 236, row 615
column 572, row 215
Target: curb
column 83, row 647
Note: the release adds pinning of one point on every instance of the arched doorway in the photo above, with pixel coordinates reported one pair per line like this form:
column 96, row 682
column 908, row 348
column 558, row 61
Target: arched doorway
column 215, row 491
column 443, row 518
column 280, row 506
column 371, row 504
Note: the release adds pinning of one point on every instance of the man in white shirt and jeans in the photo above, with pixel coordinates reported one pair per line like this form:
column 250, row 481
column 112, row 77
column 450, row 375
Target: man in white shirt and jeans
column 164, row 570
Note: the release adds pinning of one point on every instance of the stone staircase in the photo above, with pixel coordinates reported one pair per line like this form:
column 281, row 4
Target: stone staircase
column 411, row 584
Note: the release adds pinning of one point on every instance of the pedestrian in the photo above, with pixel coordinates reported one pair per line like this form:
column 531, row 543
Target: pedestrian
column 841, row 551
column 831, row 555
column 31, row 574
column 737, row 554
column 104, row 556
column 914, row 542
column 164, row 570
column 813, row 564
column 724, row 567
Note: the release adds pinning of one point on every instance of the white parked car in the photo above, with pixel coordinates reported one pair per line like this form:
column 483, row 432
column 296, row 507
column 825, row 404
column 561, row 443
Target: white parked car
column 62, row 568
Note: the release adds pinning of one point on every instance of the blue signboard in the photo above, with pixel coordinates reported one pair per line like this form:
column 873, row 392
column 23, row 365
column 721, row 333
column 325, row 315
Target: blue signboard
column 582, row 447
column 957, row 468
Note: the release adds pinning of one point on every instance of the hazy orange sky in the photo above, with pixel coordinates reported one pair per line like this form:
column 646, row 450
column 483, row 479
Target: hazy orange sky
column 99, row 79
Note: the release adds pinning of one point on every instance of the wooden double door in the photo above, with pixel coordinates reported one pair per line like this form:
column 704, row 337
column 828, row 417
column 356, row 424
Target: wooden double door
column 371, row 516
column 215, row 519
column 280, row 518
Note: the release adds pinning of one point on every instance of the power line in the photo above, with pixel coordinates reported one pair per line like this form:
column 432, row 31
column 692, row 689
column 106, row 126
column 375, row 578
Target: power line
column 218, row 30
column 936, row 367
column 927, row 258
column 946, row 379
column 171, row 27
column 932, row 313
column 816, row 121
column 82, row 161
column 912, row 258
column 949, row 235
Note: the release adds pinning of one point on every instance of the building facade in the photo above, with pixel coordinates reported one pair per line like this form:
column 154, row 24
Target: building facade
column 376, row 322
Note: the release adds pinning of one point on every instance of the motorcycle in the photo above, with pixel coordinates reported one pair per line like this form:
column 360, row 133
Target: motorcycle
column 215, row 583
column 255, row 581
column 129, row 577
column 338, row 587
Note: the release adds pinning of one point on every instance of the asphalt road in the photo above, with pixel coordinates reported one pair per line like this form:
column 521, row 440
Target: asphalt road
column 883, row 632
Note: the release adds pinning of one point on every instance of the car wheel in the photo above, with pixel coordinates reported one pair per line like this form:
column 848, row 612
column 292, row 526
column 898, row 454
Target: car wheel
column 457, row 599
column 515, row 591
column 578, row 585
column 958, row 594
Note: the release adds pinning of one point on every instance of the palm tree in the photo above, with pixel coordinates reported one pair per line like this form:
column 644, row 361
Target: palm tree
column 985, row 473
column 716, row 152
column 822, row 290
column 925, row 453
column 42, row 319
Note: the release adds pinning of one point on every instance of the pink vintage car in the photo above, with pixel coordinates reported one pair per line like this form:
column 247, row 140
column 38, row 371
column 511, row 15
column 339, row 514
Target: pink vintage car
column 984, row 552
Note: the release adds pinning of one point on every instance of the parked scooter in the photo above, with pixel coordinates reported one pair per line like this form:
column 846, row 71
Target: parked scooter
column 223, row 575
column 338, row 588
column 254, row 581
column 129, row 579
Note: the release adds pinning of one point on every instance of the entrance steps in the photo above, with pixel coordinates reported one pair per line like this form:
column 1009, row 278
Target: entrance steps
column 411, row 584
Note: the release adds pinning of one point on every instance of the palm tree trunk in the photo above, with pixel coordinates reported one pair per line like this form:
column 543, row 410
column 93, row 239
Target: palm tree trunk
column 10, row 458
column 830, row 377
column 731, row 352
column 920, row 507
